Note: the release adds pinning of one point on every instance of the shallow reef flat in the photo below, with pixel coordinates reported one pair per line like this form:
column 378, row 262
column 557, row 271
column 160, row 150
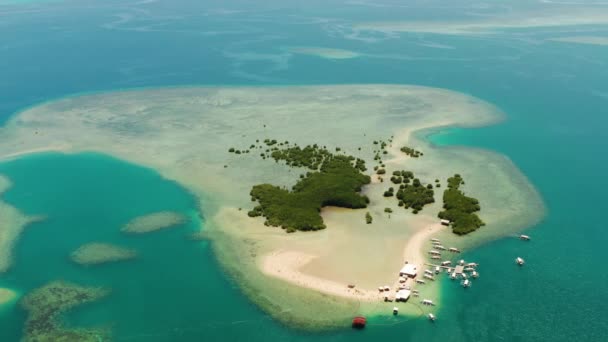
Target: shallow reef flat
column 153, row 222
column 185, row 134
column 46, row 304
column 100, row 253
column 12, row 223
column 589, row 40
column 7, row 296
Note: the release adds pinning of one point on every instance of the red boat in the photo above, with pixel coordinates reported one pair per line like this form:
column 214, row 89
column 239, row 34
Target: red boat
column 359, row 322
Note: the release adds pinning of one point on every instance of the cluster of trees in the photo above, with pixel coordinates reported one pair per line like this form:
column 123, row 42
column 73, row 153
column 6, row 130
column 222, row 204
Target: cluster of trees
column 415, row 195
column 336, row 183
column 411, row 192
column 402, row 177
column 460, row 209
column 411, row 152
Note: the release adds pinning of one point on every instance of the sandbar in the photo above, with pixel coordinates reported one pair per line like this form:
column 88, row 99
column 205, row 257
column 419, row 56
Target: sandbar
column 301, row 278
column 153, row 222
column 328, row 53
column 100, row 253
column 589, row 40
column 557, row 17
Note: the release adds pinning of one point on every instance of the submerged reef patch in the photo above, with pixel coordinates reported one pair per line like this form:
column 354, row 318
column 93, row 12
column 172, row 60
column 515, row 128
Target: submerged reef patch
column 46, row 304
column 154, row 222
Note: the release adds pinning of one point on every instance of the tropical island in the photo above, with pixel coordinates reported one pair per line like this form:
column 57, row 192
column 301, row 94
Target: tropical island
column 302, row 278
column 97, row 253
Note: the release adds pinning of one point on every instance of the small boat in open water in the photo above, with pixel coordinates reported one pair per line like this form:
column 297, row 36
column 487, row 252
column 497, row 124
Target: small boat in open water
column 431, row 317
column 524, row 237
column 519, row 261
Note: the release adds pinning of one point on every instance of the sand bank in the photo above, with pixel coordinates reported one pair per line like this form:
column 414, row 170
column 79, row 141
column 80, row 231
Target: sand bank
column 185, row 134
column 100, row 253
column 287, row 265
column 153, row 222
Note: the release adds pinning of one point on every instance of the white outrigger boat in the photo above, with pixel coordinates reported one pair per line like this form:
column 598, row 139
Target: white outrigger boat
column 475, row 274
column 431, row 317
column 524, row 237
column 519, row 261
column 466, row 283
column 453, row 275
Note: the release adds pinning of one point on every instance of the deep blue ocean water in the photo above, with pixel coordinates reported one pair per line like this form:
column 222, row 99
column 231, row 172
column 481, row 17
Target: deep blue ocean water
column 555, row 96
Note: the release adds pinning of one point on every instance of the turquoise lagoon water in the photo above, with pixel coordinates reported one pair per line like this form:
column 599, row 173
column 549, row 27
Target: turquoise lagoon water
column 554, row 95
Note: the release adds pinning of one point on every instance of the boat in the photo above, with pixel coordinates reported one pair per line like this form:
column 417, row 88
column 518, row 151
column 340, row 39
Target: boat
column 395, row 310
column 454, row 250
column 446, row 263
column 461, row 263
column 420, row 281
column 359, row 322
column 429, row 272
column 519, row 261
column 469, row 269
column 429, row 277
column 435, row 240
column 434, row 252
column 439, row 247
column 466, row 283
column 524, row 237
column 472, row 264
column 475, row 274
column 453, row 275
column 435, row 257
column 431, row 317
column 427, row 302
column 437, row 269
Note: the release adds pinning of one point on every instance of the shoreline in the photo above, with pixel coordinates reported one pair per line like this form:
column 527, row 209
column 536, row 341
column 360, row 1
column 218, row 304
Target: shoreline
column 160, row 129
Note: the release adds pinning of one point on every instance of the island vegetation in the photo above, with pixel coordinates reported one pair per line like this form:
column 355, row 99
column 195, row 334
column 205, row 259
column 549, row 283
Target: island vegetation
column 100, row 253
column 45, row 305
column 411, row 192
column 154, row 222
column 460, row 209
column 334, row 180
column 411, row 152
column 368, row 218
